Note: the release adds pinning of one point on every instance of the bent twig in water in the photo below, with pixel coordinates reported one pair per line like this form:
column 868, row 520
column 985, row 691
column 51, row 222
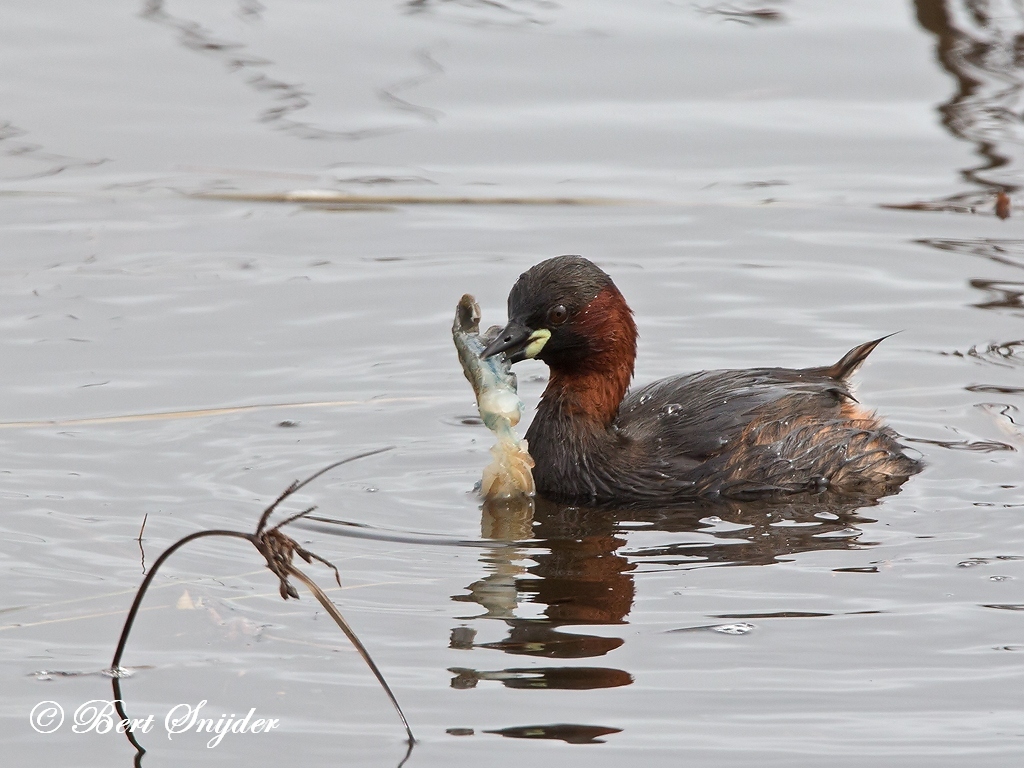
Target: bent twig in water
column 278, row 549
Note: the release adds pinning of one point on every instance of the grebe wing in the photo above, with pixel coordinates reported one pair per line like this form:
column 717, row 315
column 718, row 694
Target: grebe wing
column 700, row 414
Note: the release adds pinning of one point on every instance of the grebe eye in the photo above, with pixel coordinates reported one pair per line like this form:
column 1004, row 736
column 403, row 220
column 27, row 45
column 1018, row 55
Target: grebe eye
column 558, row 315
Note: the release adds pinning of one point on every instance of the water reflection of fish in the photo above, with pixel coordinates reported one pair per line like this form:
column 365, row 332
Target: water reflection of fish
column 509, row 474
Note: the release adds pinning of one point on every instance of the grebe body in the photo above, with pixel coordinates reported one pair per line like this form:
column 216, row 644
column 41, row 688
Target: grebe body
column 730, row 433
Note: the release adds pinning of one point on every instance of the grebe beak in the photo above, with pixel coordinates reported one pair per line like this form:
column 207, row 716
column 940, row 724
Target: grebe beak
column 517, row 341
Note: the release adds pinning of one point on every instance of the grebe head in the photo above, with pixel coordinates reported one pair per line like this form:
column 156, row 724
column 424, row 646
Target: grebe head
column 567, row 312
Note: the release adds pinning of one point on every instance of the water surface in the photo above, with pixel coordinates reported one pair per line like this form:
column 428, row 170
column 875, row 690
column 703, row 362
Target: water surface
column 778, row 181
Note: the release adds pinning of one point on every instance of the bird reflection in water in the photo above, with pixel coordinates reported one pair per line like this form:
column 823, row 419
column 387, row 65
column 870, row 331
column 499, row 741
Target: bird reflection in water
column 555, row 566
column 566, row 560
column 570, row 734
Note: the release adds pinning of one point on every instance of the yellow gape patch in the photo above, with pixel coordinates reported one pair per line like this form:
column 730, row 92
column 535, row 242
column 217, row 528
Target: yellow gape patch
column 537, row 341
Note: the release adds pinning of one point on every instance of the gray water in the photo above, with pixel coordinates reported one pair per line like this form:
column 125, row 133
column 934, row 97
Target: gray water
column 769, row 183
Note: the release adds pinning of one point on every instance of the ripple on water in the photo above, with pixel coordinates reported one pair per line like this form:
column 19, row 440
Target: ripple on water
column 979, row 446
column 971, row 562
column 1008, row 354
column 740, row 628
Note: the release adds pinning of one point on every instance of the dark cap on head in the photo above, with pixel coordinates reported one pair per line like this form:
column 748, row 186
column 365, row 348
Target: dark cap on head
column 545, row 310
column 571, row 281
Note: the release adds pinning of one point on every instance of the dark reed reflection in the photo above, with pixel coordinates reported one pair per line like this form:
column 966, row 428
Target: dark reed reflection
column 286, row 99
column 487, row 12
column 998, row 295
column 1005, row 296
column 559, row 566
column 1000, row 250
column 30, row 160
column 746, row 12
column 981, row 44
column 1002, row 294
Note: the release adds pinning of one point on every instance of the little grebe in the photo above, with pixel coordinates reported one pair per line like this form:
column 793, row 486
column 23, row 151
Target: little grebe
column 714, row 433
